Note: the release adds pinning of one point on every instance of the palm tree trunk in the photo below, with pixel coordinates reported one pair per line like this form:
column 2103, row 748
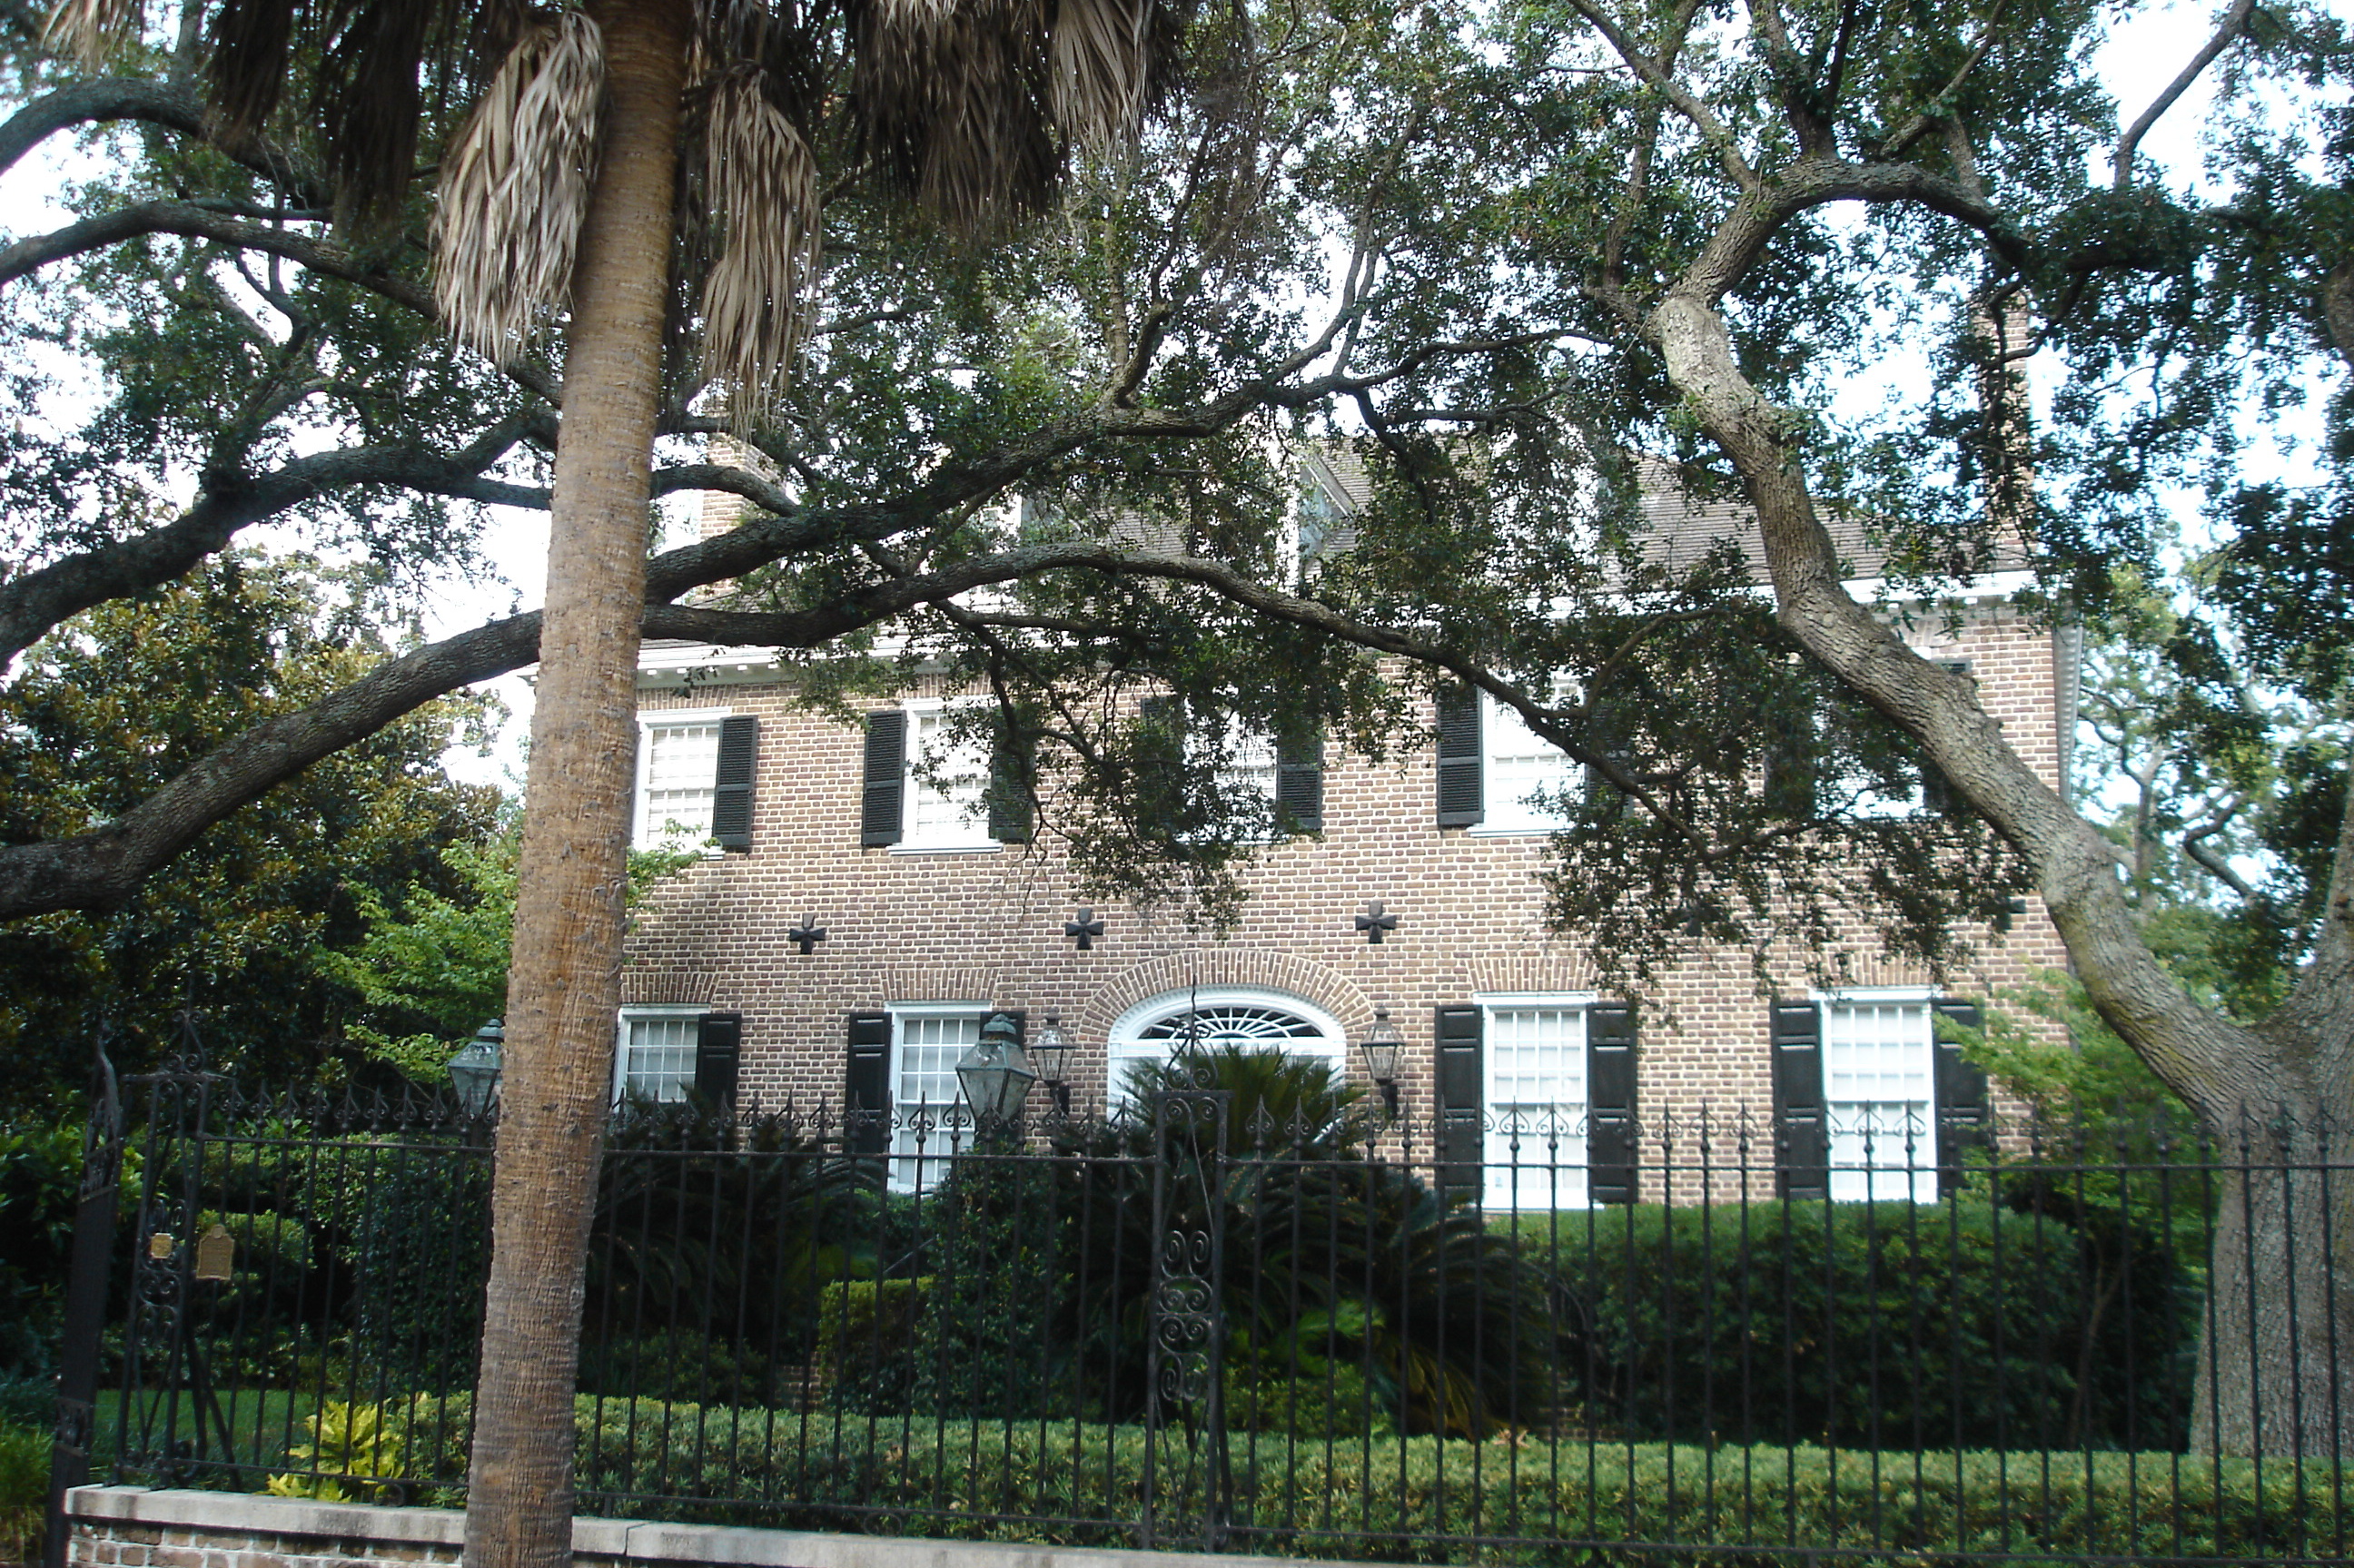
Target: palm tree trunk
column 563, row 987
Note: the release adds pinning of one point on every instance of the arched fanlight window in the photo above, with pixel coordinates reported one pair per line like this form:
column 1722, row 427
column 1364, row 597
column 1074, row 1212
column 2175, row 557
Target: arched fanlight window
column 1222, row 1016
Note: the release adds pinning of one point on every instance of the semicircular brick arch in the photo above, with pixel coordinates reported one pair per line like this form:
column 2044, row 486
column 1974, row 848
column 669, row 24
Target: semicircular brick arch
column 1259, row 969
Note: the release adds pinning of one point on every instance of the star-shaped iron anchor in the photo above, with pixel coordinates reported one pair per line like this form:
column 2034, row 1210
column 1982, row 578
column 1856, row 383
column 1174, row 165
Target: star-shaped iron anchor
column 1374, row 924
column 808, row 934
column 1087, row 927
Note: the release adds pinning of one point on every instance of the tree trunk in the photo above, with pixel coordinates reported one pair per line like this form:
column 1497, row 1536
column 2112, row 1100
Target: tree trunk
column 2272, row 1375
column 563, row 988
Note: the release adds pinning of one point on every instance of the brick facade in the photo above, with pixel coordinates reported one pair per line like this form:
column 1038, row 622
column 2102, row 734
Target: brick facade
column 987, row 927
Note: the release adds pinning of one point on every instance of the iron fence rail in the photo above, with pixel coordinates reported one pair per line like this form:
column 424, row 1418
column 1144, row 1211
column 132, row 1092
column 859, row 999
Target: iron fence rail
column 1199, row 1324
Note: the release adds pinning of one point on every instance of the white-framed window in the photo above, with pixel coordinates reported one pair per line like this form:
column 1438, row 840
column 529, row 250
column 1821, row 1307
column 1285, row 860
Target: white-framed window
column 1537, row 1098
column 655, row 1056
column 1879, row 1094
column 1219, row 1016
column 946, row 780
column 678, row 766
column 1523, row 776
column 926, row 1039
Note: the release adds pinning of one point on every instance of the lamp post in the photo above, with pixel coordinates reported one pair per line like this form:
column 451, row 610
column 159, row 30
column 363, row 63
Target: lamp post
column 1381, row 1046
column 1054, row 1062
column 474, row 1070
column 996, row 1077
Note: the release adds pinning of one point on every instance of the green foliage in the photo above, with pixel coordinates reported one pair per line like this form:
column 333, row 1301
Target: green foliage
column 1002, row 1246
column 126, row 695
column 689, row 1238
column 1391, row 1499
column 24, row 1489
column 428, row 972
column 1959, row 1325
column 1448, row 1321
column 349, row 1445
column 863, row 1331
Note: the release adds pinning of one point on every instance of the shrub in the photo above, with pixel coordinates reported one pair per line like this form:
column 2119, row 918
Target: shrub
column 678, row 1364
column 350, row 1445
column 24, row 1490
column 1449, row 1321
column 1401, row 1498
column 1954, row 1325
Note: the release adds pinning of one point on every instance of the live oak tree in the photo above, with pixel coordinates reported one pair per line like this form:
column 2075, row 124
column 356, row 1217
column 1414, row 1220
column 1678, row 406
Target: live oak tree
column 1689, row 227
column 243, row 927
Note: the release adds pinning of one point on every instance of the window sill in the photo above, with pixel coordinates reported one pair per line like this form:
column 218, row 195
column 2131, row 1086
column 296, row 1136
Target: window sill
column 990, row 848
column 1482, row 830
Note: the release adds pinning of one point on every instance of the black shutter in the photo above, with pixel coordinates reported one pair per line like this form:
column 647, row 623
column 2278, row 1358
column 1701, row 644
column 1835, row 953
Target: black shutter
column 1790, row 765
column 1459, row 757
column 866, row 1090
column 1160, row 766
column 1300, row 780
column 1011, row 771
column 718, row 1053
column 1461, row 1099
column 731, row 787
column 1939, row 796
column 1802, row 1144
column 1610, row 1103
column 884, row 817
column 1964, row 1118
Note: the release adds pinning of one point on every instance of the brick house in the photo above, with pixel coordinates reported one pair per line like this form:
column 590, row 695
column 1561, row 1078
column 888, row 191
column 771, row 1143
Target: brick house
column 855, row 925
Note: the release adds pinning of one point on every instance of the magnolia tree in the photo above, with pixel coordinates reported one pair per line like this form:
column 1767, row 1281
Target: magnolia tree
column 1137, row 269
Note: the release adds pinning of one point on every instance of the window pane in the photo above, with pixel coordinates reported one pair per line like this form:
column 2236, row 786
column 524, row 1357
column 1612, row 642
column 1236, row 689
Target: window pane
column 929, row 1045
column 1536, row 1107
column 1520, row 765
column 658, row 1059
column 1878, row 1090
column 946, row 808
column 681, row 760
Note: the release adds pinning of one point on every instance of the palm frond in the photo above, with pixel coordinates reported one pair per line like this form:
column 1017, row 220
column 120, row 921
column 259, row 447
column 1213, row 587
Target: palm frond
column 252, row 42
column 515, row 187
column 761, row 183
column 1103, row 70
column 954, row 101
column 368, row 95
column 85, row 31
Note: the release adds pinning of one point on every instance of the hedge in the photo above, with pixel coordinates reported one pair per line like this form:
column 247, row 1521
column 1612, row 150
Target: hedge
column 1422, row 1499
column 1888, row 1325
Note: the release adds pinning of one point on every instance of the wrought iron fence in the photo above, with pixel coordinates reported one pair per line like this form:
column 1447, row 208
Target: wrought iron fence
column 1231, row 1320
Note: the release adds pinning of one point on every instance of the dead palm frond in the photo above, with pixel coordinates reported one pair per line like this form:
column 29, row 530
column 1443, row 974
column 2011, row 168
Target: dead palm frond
column 252, row 44
column 1102, row 64
column 953, row 101
column 760, row 182
column 84, row 30
column 515, row 187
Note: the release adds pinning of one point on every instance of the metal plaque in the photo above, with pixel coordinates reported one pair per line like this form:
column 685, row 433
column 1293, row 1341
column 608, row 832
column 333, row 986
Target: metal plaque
column 215, row 1253
column 159, row 1245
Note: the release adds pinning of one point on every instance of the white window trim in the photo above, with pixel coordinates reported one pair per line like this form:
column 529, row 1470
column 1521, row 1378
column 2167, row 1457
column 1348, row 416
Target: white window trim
column 1544, row 1185
column 637, row 1012
column 974, row 839
column 908, row 1172
column 641, row 834
column 1918, row 1176
column 1123, row 1044
column 1522, row 821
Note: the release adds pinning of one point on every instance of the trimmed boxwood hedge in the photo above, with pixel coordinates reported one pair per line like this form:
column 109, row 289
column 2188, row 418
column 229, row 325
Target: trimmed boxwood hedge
column 1956, row 1325
column 1424, row 1499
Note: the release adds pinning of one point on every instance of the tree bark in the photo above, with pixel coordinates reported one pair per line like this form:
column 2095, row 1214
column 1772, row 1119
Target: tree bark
column 564, row 986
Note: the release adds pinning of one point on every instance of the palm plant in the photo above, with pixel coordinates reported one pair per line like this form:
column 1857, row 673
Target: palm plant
column 560, row 202
column 1335, row 1259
